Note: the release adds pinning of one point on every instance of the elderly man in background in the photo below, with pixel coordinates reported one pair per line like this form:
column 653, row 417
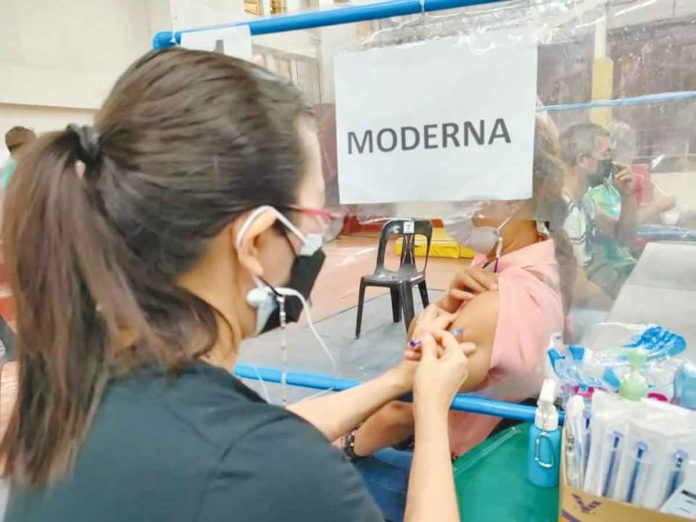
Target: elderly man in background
column 601, row 240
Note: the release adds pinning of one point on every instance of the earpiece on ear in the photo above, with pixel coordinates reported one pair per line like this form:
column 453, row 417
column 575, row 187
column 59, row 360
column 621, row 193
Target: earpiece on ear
column 257, row 296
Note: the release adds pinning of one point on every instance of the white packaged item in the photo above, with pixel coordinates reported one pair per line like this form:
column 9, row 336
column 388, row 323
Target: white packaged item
column 652, row 462
column 610, row 417
column 577, row 433
column 658, row 442
column 683, row 501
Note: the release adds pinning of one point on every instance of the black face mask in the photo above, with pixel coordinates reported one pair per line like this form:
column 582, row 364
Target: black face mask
column 303, row 275
column 604, row 168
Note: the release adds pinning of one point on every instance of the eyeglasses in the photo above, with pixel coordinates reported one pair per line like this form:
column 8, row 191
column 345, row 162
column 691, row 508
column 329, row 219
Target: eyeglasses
column 331, row 220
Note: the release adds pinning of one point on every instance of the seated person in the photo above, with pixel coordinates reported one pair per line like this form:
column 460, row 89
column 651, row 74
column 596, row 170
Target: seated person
column 509, row 302
column 600, row 239
column 608, row 199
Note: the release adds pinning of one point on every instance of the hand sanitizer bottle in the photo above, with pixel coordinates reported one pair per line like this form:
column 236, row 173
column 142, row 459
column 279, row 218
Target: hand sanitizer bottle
column 544, row 446
column 633, row 385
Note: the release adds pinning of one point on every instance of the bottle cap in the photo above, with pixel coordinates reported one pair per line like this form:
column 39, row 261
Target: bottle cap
column 546, row 416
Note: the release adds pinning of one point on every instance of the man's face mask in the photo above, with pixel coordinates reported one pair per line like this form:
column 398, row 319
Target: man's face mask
column 303, row 274
column 604, row 168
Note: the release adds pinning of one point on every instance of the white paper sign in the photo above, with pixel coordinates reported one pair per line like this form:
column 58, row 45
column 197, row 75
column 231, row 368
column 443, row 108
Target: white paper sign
column 436, row 122
column 232, row 41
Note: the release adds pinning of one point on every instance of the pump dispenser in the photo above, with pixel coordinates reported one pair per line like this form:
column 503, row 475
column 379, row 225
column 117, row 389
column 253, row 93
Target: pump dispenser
column 633, row 385
column 544, row 446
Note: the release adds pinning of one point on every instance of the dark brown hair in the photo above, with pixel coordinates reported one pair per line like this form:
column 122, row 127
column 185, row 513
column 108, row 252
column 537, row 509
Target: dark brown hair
column 185, row 142
column 548, row 174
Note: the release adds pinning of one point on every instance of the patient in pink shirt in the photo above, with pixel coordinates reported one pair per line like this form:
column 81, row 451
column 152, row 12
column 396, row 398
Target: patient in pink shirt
column 509, row 301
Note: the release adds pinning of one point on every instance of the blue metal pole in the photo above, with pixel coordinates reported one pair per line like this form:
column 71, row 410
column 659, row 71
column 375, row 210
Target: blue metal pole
column 462, row 402
column 336, row 16
column 623, row 102
column 303, row 380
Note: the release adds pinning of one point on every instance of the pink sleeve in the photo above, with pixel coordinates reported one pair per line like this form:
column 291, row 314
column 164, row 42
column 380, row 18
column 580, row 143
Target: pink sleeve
column 529, row 313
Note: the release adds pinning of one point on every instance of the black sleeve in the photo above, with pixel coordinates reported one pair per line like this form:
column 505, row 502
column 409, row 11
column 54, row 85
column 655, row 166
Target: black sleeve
column 286, row 471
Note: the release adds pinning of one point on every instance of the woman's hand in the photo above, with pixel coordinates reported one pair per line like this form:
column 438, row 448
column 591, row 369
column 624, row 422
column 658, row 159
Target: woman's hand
column 440, row 373
column 431, row 320
column 431, row 493
column 467, row 284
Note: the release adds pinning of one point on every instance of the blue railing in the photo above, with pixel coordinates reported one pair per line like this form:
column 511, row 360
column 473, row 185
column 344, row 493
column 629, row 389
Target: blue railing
column 387, row 9
column 336, row 16
column 462, row 402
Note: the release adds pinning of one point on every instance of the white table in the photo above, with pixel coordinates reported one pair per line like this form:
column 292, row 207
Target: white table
column 662, row 290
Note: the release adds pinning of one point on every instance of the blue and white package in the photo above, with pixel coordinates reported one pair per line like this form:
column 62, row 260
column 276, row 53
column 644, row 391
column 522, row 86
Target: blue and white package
column 658, row 342
column 602, row 363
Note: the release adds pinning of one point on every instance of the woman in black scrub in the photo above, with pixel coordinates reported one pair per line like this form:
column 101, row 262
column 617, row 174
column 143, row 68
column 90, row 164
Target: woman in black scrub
column 141, row 251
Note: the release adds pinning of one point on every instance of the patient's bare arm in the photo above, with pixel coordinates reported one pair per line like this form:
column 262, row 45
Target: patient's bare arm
column 393, row 423
column 479, row 319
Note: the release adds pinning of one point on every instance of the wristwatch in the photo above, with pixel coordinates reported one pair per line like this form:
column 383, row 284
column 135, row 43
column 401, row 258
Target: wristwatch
column 348, row 445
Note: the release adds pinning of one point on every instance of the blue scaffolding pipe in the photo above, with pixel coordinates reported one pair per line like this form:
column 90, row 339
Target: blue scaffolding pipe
column 623, row 102
column 462, row 402
column 387, row 9
column 336, row 16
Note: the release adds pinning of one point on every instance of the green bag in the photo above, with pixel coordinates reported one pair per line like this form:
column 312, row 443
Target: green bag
column 491, row 482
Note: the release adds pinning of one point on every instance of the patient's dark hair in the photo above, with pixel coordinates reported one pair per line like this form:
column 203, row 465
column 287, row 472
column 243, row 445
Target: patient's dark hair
column 549, row 172
column 185, row 142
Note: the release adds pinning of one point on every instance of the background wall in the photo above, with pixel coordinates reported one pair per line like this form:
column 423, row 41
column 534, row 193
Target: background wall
column 67, row 53
column 59, row 58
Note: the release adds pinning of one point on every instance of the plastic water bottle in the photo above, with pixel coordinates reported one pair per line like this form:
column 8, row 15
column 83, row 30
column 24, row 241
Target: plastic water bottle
column 544, row 446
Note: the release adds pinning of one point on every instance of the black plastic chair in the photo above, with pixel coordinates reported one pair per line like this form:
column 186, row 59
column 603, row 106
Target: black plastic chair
column 401, row 281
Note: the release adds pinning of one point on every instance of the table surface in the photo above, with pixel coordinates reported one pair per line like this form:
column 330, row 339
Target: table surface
column 662, row 290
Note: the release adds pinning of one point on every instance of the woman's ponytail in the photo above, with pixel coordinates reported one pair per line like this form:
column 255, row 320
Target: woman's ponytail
column 565, row 255
column 549, row 173
column 73, row 299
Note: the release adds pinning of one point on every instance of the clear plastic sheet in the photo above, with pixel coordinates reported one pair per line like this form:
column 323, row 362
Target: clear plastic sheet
column 638, row 55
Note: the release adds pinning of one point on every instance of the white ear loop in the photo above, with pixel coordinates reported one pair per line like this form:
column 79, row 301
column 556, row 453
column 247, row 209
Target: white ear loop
column 499, row 243
column 255, row 215
column 498, row 248
column 257, row 296
column 264, row 389
column 294, row 293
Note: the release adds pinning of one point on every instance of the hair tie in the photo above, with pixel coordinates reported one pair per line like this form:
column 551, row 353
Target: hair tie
column 89, row 142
